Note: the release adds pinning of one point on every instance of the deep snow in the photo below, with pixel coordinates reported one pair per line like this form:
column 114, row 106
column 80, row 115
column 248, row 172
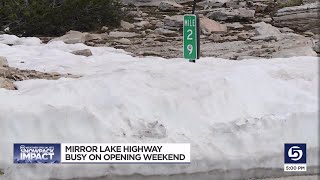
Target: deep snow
column 235, row 114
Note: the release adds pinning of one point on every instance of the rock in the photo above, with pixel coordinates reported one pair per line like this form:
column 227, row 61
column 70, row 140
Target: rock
column 144, row 14
column 259, row 7
column 90, row 44
column 126, row 25
column 3, row 62
column 118, row 34
column 221, row 50
column 138, row 19
column 301, row 18
column 124, row 41
column 213, row 3
column 173, row 22
column 169, row 6
column 148, row 31
column 104, row 29
column 230, row 38
column 222, row 14
column 235, row 25
column 6, row 84
column 309, row 1
column 165, row 32
column 247, row 57
column 141, row 2
column 243, row 36
column 73, row 37
column 308, row 34
column 143, row 24
column 183, row 1
column 235, row 4
column 212, row 26
column 160, row 24
column 92, row 37
column 267, row 19
column 266, row 32
column 84, row 52
column 6, row 30
column 135, row 13
column 8, row 75
column 149, row 53
column 299, row 51
column 285, row 30
column 154, row 22
column 3, row 71
column 264, row 38
column 263, row 28
column 215, row 37
column 267, row 46
column 316, row 47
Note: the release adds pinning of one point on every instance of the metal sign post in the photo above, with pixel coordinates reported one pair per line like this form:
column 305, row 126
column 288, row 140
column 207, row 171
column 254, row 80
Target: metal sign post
column 191, row 36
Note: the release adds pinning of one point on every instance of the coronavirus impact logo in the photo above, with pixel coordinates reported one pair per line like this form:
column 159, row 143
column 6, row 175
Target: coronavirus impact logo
column 295, row 157
column 37, row 153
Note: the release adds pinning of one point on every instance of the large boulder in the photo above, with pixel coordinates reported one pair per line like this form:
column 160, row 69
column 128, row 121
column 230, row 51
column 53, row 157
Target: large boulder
column 298, row 51
column 3, row 62
column 6, row 84
column 210, row 26
column 173, row 22
column 213, row 3
column 169, row 6
column 316, row 45
column 83, row 52
column 309, row 1
column 124, row 41
column 119, row 34
column 264, row 31
column 302, row 18
column 150, row 2
column 142, row 2
column 142, row 24
column 126, row 25
column 222, row 14
column 73, row 37
column 165, row 32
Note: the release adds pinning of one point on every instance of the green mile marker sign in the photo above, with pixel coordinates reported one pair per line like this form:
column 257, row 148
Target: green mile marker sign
column 190, row 37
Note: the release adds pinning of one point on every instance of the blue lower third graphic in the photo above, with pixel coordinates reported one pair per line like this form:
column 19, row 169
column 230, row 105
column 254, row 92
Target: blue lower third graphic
column 37, row 153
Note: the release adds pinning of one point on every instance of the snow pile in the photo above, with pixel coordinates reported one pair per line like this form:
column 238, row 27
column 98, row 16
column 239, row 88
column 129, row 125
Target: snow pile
column 14, row 40
column 235, row 114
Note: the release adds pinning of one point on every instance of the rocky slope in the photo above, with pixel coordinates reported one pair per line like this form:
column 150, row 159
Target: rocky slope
column 229, row 29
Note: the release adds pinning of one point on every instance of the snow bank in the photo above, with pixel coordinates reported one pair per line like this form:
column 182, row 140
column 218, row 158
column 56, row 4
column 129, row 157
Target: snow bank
column 14, row 40
column 235, row 114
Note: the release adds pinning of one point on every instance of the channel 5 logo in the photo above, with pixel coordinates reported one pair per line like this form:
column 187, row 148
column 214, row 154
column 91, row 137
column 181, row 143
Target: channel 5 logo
column 295, row 153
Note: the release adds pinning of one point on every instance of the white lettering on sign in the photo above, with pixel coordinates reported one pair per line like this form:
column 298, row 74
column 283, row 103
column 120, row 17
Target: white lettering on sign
column 190, row 22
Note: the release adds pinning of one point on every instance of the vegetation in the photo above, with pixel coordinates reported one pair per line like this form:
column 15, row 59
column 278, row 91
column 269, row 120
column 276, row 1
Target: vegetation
column 52, row 17
column 288, row 3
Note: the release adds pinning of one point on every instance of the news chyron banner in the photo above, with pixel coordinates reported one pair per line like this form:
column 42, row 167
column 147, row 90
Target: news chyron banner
column 75, row 153
column 36, row 153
